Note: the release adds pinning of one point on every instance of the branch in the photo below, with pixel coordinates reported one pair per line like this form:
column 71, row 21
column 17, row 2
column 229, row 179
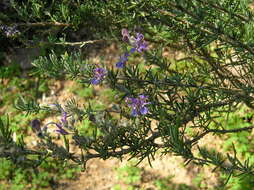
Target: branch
column 215, row 31
column 124, row 151
column 218, row 131
column 44, row 24
column 79, row 43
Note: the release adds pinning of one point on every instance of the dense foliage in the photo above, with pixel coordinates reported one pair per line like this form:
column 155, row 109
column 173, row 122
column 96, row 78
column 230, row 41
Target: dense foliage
column 184, row 68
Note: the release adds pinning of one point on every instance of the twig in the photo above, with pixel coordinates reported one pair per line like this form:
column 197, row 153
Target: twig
column 218, row 131
column 215, row 31
column 123, row 151
column 81, row 44
column 44, row 24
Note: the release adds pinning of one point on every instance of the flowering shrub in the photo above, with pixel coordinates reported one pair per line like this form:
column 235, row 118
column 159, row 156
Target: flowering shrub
column 175, row 100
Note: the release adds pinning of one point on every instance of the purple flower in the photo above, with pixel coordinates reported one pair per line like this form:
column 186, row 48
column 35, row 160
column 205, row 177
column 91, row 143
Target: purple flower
column 64, row 117
column 60, row 125
column 9, row 30
column 36, row 126
column 60, row 129
column 123, row 60
column 138, row 43
column 99, row 74
column 142, row 47
column 138, row 105
column 64, row 123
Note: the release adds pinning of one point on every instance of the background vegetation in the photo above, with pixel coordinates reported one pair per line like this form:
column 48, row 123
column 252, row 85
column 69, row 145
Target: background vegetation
column 184, row 37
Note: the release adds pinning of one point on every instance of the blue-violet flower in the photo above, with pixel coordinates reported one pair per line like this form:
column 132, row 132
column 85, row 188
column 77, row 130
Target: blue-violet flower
column 60, row 125
column 36, row 126
column 99, row 74
column 123, row 60
column 138, row 43
column 138, row 105
column 9, row 30
column 60, row 129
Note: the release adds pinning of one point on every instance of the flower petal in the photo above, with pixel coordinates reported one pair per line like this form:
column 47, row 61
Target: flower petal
column 134, row 112
column 64, row 118
column 95, row 81
column 139, row 37
column 36, row 125
column 132, row 50
column 143, row 110
column 120, row 64
column 62, row 131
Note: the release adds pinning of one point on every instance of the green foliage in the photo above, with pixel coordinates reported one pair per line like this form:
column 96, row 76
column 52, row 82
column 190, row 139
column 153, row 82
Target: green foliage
column 129, row 174
column 16, row 178
column 108, row 95
column 243, row 182
column 5, row 131
column 209, row 75
column 81, row 91
column 166, row 183
column 13, row 174
column 198, row 181
column 162, row 184
column 85, row 128
column 243, row 144
column 242, row 141
column 10, row 71
column 18, row 86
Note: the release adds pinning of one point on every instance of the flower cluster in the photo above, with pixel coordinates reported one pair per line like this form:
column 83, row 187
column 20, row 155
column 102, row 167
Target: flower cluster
column 138, row 44
column 138, row 105
column 9, row 31
column 99, row 74
column 123, row 60
column 36, row 125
